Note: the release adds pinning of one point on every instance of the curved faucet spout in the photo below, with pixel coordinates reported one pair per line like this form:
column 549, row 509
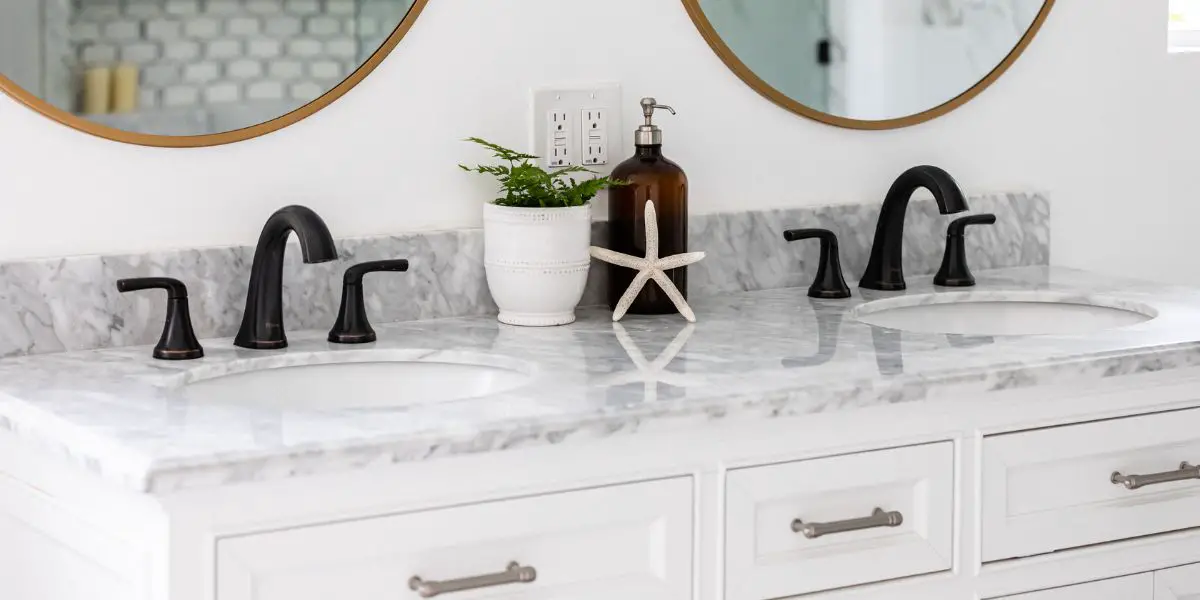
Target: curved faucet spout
column 316, row 243
column 885, row 270
column 262, row 323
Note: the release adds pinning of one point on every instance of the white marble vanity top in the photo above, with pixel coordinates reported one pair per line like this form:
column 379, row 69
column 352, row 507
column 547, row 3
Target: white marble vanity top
column 756, row 355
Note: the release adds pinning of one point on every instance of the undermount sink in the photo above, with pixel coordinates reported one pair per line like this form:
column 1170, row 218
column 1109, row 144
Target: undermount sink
column 364, row 381
column 1003, row 313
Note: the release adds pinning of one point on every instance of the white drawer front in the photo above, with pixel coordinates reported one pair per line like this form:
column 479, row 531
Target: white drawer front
column 1051, row 489
column 1180, row 583
column 629, row 541
column 1134, row 587
column 766, row 558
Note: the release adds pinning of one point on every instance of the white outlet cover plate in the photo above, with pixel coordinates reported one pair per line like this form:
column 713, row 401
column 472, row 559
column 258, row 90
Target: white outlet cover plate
column 573, row 98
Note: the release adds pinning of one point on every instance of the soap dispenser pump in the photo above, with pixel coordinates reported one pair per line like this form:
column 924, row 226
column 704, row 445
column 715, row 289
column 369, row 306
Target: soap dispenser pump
column 647, row 176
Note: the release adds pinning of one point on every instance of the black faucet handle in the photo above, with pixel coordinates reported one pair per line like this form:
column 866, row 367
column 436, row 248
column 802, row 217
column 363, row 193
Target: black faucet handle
column 829, row 282
column 175, row 288
column 355, row 273
column 959, row 225
column 954, row 271
column 178, row 341
column 352, row 326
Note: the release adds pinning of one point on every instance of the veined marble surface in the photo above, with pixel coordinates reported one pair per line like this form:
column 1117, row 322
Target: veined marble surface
column 753, row 355
column 52, row 305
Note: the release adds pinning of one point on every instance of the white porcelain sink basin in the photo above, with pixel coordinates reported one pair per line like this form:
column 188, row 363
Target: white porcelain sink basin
column 363, row 383
column 1003, row 313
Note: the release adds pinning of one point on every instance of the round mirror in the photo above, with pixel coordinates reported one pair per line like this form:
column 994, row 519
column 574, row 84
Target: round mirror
column 190, row 73
column 869, row 64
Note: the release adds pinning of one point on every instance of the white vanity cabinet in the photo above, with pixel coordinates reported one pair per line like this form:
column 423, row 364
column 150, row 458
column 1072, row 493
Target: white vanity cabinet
column 1061, row 487
column 629, row 541
column 806, row 526
column 1134, row 587
column 1180, row 583
column 1021, row 498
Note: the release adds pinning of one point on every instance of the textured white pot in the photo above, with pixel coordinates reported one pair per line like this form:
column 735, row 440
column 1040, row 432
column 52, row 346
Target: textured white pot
column 537, row 262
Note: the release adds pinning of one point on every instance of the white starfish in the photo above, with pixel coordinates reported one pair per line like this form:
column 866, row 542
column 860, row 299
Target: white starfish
column 650, row 267
column 648, row 373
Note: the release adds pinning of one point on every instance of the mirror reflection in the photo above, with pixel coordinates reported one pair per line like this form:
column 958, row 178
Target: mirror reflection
column 871, row 60
column 188, row 67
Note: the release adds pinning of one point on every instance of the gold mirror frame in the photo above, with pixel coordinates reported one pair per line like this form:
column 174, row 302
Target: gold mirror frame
column 228, row 137
column 768, row 91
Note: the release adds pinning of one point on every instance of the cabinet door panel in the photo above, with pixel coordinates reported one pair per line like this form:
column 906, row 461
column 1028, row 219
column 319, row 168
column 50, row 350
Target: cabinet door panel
column 1052, row 489
column 1182, row 583
column 768, row 557
column 1134, row 587
column 627, row 542
column 49, row 553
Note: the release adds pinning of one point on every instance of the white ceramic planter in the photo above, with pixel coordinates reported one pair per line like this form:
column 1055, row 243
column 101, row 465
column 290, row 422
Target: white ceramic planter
column 537, row 262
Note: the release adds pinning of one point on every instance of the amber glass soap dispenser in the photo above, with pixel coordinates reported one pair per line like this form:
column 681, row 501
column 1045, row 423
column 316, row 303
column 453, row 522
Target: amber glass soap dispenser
column 648, row 175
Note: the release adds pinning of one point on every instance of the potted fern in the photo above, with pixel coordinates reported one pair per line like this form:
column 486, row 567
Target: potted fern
column 536, row 237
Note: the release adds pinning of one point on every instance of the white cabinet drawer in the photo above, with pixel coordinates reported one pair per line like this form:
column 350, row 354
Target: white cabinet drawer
column 632, row 542
column 1180, row 583
column 1051, row 489
column 766, row 557
column 1134, row 587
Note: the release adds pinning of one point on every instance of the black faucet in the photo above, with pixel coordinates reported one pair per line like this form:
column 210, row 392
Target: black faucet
column 954, row 271
column 178, row 340
column 829, row 283
column 352, row 326
column 262, row 323
column 885, row 270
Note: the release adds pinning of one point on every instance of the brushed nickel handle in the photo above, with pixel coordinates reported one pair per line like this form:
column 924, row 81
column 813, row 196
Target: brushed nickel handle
column 1133, row 482
column 515, row 573
column 878, row 518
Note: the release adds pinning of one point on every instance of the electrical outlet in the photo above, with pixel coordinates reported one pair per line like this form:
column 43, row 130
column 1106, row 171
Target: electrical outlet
column 590, row 115
column 593, row 135
column 560, row 140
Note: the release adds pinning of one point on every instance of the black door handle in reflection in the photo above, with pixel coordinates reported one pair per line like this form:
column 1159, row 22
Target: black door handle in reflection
column 829, row 329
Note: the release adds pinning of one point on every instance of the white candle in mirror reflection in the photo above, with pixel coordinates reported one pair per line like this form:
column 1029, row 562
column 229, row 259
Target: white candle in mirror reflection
column 97, row 91
column 125, row 88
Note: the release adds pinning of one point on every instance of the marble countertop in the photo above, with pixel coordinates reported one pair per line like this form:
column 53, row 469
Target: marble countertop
column 756, row 355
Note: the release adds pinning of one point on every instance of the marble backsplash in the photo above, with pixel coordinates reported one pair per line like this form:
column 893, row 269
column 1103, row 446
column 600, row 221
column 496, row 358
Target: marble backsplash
column 52, row 305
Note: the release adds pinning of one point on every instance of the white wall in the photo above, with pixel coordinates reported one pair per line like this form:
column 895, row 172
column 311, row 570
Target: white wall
column 1181, row 239
column 1081, row 116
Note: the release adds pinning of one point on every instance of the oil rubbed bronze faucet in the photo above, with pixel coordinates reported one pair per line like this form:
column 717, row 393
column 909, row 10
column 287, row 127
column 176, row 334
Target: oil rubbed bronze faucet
column 885, row 269
column 178, row 341
column 829, row 283
column 262, row 323
column 352, row 326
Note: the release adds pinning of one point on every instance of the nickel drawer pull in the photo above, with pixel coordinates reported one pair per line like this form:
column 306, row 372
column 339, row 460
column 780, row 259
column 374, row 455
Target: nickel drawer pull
column 878, row 518
column 515, row 573
column 1133, row 482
